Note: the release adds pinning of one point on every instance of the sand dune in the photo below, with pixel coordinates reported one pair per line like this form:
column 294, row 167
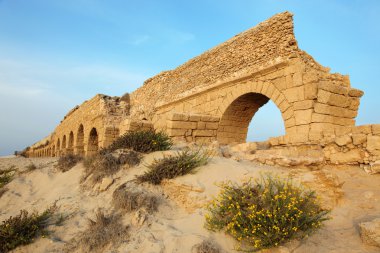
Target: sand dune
column 178, row 224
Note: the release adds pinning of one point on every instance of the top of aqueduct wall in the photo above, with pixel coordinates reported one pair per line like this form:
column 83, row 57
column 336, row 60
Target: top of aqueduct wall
column 264, row 45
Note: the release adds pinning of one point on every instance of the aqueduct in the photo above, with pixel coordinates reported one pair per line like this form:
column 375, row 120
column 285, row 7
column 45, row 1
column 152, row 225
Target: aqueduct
column 214, row 96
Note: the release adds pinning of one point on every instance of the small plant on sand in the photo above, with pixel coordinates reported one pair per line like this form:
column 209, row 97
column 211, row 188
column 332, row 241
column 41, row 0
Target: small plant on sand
column 184, row 162
column 106, row 164
column 207, row 246
column 141, row 141
column 104, row 230
column 24, row 228
column 7, row 175
column 68, row 161
column 30, row 167
column 130, row 197
column 265, row 213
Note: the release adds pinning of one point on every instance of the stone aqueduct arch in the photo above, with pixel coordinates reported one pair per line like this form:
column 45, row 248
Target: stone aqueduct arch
column 214, row 96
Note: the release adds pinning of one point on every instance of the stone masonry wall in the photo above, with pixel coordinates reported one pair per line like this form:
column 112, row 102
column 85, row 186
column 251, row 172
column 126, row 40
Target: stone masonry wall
column 248, row 51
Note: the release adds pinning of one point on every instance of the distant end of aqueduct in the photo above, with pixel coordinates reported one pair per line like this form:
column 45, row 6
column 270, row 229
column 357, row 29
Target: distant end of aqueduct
column 214, row 96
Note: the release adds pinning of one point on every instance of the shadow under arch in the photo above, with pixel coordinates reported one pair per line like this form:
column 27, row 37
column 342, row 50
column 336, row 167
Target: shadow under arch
column 93, row 142
column 80, row 141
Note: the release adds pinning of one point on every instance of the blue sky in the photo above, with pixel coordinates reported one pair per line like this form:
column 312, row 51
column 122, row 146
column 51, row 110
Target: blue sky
column 56, row 54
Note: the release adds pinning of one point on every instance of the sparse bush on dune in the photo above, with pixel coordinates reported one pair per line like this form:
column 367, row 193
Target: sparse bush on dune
column 24, row 228
column 31, row 167
column 7, row 175
column 207, row 246
column 265, row 213
column 130, row 197
column 182, row 163
column 68, row 161
column 141, row 141
column 104, row 230
column 106, row 164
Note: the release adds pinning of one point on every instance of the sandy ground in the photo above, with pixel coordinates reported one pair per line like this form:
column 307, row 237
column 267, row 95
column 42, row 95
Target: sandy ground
column 352, row 194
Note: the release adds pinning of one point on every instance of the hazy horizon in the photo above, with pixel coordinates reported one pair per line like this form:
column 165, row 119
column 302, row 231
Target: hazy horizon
column 54, row 55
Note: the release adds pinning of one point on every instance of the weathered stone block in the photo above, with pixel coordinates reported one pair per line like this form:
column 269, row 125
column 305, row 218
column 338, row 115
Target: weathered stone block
column 326, row 97
column 303, row 105
column 303, row 117
column 343, row 140
column 358, row 139
column 182, row 124
column 364, row 129
column 334, row 110
column 209, row 118
column 203, row 133
column 177, row 132
column 194, row 117
column 294, row 94
column 201, row 125
column 376, row 129
column 178, row 116
column 373, row 143
column 212, row 125
column 353, row 156
column 333, row 88
column 355, row 93
column 311, row 91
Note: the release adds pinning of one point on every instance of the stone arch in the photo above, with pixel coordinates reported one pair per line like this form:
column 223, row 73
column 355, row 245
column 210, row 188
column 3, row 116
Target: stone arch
column 240, row 105
column 93, row 142
column 70, row 144
column 80, row 140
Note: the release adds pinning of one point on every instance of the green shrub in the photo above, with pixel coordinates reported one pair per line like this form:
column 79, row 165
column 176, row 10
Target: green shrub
column 68, row 161
column 130, row 197
column 7, row 175
column 103, row 231
column 184, row 162
column 141, row 141
column 265, row 213
column 106, row 164
column 24, row 228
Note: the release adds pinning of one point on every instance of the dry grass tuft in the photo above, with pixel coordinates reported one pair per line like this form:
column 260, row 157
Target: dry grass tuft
column 182, row 163
column 207, row 246
column 30, row 167
column 141, row 141
column 106, row 164
column 7, row 175
column 131, row 197
column 101, row 232
column 66, row 162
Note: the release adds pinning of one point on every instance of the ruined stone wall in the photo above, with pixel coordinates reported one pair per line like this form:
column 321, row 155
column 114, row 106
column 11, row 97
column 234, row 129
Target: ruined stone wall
column 86, row 128
column 245, row 53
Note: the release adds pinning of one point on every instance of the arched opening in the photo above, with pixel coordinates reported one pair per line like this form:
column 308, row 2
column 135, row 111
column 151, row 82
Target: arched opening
column 70, row 146
column 267, row 122
column 58, row 147
column 63, row 144
column 80, row 140
column 92, row 147
column 53, row 151
column 234, row 123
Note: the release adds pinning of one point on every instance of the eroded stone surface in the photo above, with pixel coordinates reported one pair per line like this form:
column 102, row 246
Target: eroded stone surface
column 370, row 232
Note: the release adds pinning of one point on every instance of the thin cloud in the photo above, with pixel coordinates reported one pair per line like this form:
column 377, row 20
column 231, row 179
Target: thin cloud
column 139, row 40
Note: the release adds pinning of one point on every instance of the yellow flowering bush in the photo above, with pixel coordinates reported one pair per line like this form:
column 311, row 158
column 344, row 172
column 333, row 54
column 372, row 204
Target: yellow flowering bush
column 265, row 213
